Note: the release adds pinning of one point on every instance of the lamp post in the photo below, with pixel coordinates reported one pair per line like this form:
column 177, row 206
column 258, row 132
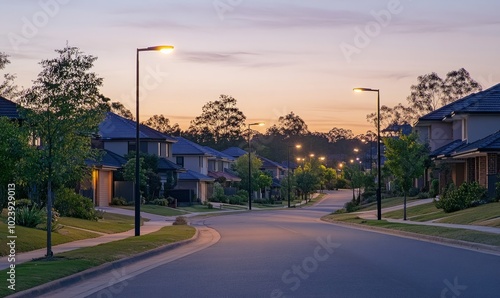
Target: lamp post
column 250, row 164
column 379, row 183
column 288, row 171
column 163, row 49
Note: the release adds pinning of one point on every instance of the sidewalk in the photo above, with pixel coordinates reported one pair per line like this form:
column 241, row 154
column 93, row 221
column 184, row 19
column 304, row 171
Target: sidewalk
column 156, row 223
column 372, row 214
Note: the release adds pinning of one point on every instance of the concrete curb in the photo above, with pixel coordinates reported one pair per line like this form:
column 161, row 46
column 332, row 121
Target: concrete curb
column 92, row 272
column 495, row 250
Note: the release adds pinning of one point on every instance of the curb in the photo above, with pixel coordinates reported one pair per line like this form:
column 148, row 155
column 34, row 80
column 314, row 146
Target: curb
column 92, row 272
column 495, row 250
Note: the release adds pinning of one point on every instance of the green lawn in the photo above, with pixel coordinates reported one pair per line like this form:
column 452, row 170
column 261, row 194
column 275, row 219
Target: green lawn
column 422, row 212
column 450, row 233
column 35, row 273
column 158, row 210
column 109, row 224
column 198, row 208
column 388, row 202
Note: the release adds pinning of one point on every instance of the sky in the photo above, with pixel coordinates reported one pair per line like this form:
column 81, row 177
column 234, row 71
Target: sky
column 273, row 56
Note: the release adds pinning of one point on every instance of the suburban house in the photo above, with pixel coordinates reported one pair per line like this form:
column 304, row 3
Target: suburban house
column 219, row 168
column 195, row 159
column 8, row 109
column 464, row 137
column 117, row 138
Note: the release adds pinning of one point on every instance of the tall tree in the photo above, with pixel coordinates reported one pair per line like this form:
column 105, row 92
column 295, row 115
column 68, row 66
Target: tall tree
column 289, row 125
column 220, row 122
column 241, row 167
column 7, row 87
column 64, row 108
column 432, row 92
column 161, row 123
column 335, row 134
column 119, row 109
column 405, row 159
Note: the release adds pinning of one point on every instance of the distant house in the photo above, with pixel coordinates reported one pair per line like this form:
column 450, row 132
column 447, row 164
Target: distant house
column 464, row 138
column 219, row 167
column 117, row 138
column 8, row 109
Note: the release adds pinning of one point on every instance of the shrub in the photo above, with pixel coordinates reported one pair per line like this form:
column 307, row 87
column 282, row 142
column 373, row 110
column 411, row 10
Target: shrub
column 413, row 192
column 351, row 206
column 180, row 221
column 30, row 217
column 118, row 202
column 70, row 204
column 423, row 195
column 235, row 200
column 24, row 203
column 210, row 206
column 161, row 202
column 341, row 183
column 466, row 196
column 434, row 191
column 54, row 225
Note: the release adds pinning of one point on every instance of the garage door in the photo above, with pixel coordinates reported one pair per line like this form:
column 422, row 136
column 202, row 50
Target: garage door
column 104, row 190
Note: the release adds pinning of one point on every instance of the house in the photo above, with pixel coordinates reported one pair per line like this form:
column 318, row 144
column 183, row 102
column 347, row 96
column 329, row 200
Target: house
column 117, row 138
column 8, row 109
column 195, row 159
column 219, row 168
column 464, row 139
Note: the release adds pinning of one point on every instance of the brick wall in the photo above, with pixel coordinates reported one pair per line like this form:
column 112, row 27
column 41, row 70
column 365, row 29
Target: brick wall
column 492, row 163
column 482, row 170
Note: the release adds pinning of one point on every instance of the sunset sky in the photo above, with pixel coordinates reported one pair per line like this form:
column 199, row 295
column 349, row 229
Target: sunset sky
column 273, row 56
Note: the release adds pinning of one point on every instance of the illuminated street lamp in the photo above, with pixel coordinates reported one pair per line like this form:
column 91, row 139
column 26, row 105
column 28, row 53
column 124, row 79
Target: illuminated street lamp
column 163, row 49
column 250, row 164
column 288, row 170
column 379, row 183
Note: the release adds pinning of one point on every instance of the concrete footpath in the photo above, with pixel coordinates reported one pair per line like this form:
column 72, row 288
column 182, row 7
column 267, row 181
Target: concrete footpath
column 372, row 214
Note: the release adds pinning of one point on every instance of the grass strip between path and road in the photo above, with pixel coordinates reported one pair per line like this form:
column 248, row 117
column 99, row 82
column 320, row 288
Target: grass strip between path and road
column 449, row 233
column 38, row 272
column 156, row 209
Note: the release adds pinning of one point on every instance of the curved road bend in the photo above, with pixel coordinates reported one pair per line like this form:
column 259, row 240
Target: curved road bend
column 290, row 253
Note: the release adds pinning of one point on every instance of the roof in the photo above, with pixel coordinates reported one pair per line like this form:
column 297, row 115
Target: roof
column 166, row 165
column 267, row 163
column 194, row 176
column 8, row 109
column 448, row 149
column 484, row 102
column 234, row 152
column 109, row 159
column 227, row 175
column 118, row 127
column 218, row 154
column 186, row 147
column 405, row 129
column 489, row 143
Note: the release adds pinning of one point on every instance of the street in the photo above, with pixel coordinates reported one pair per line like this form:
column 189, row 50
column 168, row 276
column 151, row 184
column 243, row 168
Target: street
column 291, row 253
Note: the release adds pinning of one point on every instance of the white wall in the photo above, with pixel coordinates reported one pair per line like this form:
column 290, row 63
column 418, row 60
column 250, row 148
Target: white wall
column 480, row 126
column 120, row 148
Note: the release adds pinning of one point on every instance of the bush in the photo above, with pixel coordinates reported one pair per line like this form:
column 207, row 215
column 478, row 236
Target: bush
column 434, row 191
column 341, row 183
column 118, row 202
column 180, row 221
column 423, row 195
column 466, row 196
column 351, row 206
column 30, row 217
column 161, row 202
column 54, row 225
column 70, row 204
column 24, row 203
column 413, row 192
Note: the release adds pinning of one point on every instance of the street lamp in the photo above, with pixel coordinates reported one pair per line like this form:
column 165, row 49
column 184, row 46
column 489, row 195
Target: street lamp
column 250, row 164
column 163, row 49
column 288, row 170
column 379, row 183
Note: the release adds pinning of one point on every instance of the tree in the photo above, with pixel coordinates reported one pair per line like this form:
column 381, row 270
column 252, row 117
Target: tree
column 405, row 159
column 289, row 125
column 335, row 134
column 7, row 88
column 220, row 122
column 432, row 92
column 162, row 124
column 64, row 108
column 119, row 109
column 397, row 115
column 307, row 181
column 241, row 167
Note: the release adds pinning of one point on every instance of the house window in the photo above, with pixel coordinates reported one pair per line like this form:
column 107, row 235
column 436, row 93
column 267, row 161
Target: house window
column 200, row 161
column 464, row 129
column 180, row 160
column 132, row 147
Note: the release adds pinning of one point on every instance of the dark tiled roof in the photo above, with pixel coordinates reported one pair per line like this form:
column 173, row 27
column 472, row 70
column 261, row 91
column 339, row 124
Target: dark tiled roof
column 489, row 143
column 448, row 149
column 405, row 129
column 187, row 147
column 218, row 154
column 267, row 163
column 8, row 109
column 234, row 152
column 487, row 101
column 109, row 159
column 194, row 176
column 166, row 165
column 227, row 175
column 117, row 127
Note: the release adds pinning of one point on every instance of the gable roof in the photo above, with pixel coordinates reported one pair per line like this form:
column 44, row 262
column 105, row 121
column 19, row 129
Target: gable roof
column 234, row 152
column 489, row 143
column 218, row 154
column 484, row 102
column 166, row 165
column 118, row 127
column 194, row 176
column 267, row 163
column 8, row 109
column 186, row 147
column 448, row 149
column 109, row 159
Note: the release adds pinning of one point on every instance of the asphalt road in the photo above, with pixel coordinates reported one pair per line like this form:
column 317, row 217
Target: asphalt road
column 291, row 253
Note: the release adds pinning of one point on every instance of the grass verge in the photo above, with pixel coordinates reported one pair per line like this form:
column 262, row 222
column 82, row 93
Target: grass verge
column 449, row 233
column 158, row 210
column 34, row 273
column 109, row 224
column 387, row 202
